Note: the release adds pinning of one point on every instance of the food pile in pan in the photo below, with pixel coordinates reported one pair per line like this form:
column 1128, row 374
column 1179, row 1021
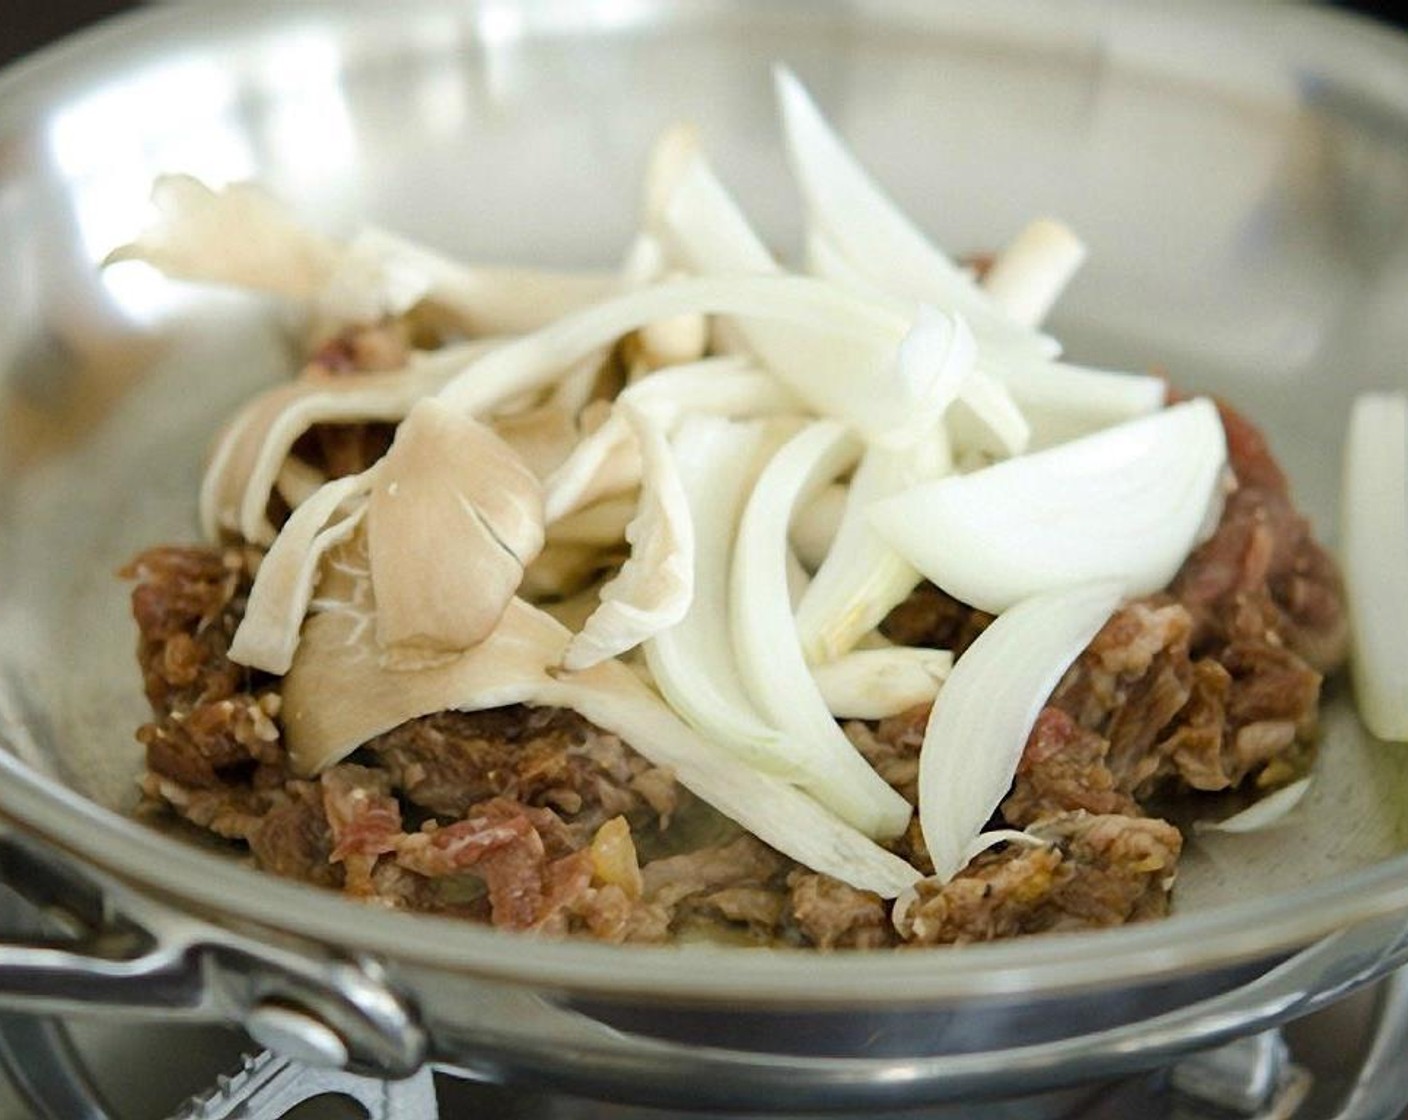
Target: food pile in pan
column 710, row 597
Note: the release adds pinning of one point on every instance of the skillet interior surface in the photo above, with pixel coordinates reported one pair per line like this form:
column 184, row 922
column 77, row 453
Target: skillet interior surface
column 1240, row 174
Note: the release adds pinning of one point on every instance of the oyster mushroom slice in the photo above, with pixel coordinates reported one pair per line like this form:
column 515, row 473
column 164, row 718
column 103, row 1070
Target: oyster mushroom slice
column 453, row 516
column 254, row 447
column 268, row 634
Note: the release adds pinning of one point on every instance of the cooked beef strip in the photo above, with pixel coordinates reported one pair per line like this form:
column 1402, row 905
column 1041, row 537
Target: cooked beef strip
column 1096, row 871
column 829, row 914
column 541, row 756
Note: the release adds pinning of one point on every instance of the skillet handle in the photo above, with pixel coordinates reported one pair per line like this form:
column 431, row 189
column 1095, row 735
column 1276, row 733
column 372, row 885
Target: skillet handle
column 101, row 947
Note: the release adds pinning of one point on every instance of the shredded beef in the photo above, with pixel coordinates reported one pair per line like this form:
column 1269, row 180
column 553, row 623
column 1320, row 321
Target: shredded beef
column 830, row 914
column 545, row 756
column 1095, row 871
column 930, row 617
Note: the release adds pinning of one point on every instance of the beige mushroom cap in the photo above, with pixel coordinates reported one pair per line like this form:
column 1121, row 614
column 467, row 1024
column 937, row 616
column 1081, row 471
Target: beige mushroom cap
column 452, row 519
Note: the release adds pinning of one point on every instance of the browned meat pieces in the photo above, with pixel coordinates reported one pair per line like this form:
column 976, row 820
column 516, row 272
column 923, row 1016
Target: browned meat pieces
column 830, row 914
column 541, row 756
column 730, row 888
column 528, row 818
column 293, row 838
column 1098, row 870
column 213, row 717
column 187, row 603
column 933, row 618
column 1262, row 577
column 1064, row 768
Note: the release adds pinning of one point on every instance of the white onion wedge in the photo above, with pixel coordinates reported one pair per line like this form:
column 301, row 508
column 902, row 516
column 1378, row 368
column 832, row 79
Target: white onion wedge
column 876, row 372
column 890, row 396
column 534, row 361
column 816, row 524
column 765, row 638
column 1064, row 402
column 878, row 683
column 1124, row 504
column 1374, row 548
column 862, row 577
column 1028, row 276
column 606, row 460
column 693, row 662
column 1262, row 814
column 880, row 242
column 986, row 708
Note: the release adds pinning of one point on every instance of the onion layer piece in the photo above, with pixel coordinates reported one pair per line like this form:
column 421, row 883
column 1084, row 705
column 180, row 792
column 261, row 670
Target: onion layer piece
column 1124, row 504
column 1374, row 543
column 980, row 722
column 765, row 638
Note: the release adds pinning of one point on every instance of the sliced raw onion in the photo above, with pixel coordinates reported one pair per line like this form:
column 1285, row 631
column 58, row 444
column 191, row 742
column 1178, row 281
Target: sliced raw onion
column 1028, row 277
column 1124, row 504
column 692, row 662
column 1374, row 547
column 987, row 707
column 862, row 577
column 1267, row 811
column 847, row 207
column 765, row 638
column 879, row 683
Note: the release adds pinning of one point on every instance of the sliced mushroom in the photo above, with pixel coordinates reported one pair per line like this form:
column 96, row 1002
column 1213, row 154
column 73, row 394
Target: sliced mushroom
column 542, row 437
column 453, row 517
column 268, row 634
column 241, row 236
column 654, row 587
column 251, row 452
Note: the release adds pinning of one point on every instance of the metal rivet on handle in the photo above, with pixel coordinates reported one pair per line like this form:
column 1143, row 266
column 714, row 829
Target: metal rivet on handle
column 296, row 1034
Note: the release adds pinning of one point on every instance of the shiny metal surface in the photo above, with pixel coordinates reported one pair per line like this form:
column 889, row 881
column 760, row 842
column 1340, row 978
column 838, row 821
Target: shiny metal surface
column 1241, row 174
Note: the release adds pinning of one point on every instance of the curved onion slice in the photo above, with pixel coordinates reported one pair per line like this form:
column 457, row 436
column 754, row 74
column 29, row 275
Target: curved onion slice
column 863, row 577
column 765, row 638
column 986, row 708
column 532, row 362
column 1124, row 504
column 1028, row 276
column 879, row 683
column 692, row 662
column 1064, row 402
column 338, row 696
column 1263, row 813
column 850, row 209
column 891, row 396
column 607, row 460
column 1374, row 547
column 254, row 447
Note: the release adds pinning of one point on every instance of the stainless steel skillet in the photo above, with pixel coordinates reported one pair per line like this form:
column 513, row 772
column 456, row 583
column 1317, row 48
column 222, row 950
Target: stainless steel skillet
column 1240, row 172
